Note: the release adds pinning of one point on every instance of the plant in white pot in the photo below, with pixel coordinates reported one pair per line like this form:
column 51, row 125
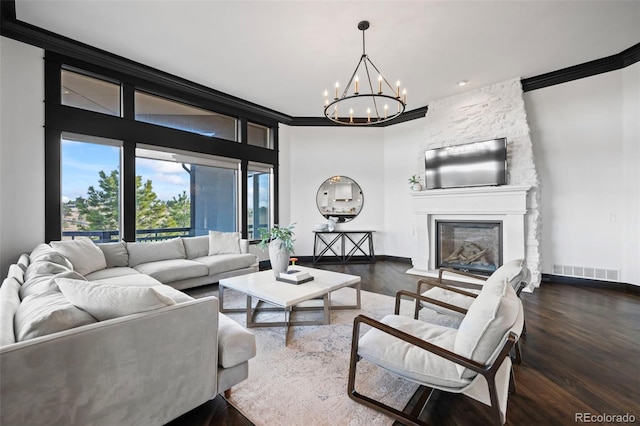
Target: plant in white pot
column 279, row 240
column 414, row 183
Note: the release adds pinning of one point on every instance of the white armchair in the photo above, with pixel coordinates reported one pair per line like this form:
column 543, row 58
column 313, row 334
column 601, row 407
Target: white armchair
column 472, row 359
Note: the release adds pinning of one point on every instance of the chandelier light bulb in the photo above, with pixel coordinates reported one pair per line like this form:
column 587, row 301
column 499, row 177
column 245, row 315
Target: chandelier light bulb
column 351, row 115
column 369, row 114
column 380, row 83
column 404, row 96
column 398, row 88
column 337, row 86
column 357, row 82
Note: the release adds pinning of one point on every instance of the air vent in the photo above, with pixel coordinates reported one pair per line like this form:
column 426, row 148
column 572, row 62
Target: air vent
column 587, row 272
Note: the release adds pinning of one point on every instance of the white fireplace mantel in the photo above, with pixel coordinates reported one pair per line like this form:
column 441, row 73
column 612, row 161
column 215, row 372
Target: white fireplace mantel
column 507, row 204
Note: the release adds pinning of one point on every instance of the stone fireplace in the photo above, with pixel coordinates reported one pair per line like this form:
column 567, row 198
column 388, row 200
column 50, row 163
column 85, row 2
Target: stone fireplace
column 486, row 113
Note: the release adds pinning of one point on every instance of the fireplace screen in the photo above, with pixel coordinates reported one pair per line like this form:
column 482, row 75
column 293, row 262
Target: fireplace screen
column 474, row 246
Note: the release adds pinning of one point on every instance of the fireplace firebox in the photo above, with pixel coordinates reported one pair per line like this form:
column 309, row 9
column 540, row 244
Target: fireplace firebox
column 473, row 246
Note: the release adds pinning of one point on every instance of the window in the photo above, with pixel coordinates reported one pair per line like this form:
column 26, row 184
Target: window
column 90, row 187
column 259, row 196
column 258, row 135
column 141, row 179
column 93, row 94
column 182, row 194
column 164, row 112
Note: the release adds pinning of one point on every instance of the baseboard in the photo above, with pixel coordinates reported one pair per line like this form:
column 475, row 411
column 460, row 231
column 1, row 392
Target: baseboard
column 585, row 282
column 264, row 264
column 398, row 259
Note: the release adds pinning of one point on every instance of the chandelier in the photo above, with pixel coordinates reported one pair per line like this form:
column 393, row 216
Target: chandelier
column 370, row 106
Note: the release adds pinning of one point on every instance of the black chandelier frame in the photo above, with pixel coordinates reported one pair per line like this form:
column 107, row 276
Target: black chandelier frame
column 378, row 114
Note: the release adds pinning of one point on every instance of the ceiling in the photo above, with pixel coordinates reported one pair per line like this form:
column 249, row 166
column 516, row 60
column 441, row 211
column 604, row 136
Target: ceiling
column 284, row 54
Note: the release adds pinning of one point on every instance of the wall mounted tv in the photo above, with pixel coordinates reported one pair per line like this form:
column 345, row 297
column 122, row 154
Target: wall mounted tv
column 472, row 164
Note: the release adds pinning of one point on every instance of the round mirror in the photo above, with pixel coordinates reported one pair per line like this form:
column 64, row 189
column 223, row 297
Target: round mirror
column 339, row 198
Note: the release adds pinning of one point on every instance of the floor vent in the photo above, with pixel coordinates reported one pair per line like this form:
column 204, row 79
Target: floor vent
column 586, row 272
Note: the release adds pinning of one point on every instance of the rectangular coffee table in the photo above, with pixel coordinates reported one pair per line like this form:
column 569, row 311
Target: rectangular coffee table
column 283, row 296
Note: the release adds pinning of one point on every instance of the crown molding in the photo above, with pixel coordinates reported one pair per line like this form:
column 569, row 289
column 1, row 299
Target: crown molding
column 47, row 40
column 11, row 27
column 599, row 66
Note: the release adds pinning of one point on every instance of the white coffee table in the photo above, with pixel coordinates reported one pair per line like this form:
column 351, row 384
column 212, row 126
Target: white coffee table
column 284, row 296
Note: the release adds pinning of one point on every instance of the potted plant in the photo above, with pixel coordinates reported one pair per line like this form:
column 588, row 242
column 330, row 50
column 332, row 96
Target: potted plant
column 279, row 240
column 414, row 183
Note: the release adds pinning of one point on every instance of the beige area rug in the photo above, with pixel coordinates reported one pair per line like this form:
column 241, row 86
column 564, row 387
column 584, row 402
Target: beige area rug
column 305, row 383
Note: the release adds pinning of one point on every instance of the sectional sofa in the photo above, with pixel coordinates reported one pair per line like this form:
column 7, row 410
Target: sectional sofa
column 101, row 335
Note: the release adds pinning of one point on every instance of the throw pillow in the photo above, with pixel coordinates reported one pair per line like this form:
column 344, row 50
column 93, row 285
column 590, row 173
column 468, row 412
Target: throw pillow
column 155, row 251
column 196, row 246
column 224, row 243
column 105, row 302
column 83, row 254
column 46, row 282
column 115, row 254
column 47, row 313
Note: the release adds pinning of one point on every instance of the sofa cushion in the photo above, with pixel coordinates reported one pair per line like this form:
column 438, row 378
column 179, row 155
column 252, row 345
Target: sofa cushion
column 137, row 280
column 176, row 295
column 23, row 261
column 488, row 319
column 167, row 271
column 16, row 272
column 9, row 303
column 115, row 254
column 224, row 243
column 410, row 361
column 117, row 271
column 226, row 262
column 44, row 252
column 104, row 301
column 83, row 254
column 196, row 246
column 46, row 313
column 46, row 282
column 155, row 251
column 43, row 267
column 235, row 344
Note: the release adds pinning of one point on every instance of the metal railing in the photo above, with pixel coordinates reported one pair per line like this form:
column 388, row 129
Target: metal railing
column 111, row 236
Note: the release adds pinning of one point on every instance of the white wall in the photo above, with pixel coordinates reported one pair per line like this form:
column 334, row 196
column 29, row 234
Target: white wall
column 21, row 150
column 314, row 154
column 585, row 133
column 585, row 138
column 401, row 143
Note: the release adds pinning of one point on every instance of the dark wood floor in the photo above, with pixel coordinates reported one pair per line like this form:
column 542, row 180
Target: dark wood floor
column 581, row 354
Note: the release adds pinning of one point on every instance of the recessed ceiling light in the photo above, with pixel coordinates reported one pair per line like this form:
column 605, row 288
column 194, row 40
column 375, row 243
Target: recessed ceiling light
column 462, row 83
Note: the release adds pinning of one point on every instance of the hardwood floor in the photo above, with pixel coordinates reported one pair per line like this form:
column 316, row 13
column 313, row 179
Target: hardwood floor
column 580, row 355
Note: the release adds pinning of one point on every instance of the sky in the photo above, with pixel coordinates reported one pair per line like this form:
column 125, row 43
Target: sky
column 81, row 163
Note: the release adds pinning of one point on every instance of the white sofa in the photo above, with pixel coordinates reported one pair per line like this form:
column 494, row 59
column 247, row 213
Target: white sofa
column 114, row 346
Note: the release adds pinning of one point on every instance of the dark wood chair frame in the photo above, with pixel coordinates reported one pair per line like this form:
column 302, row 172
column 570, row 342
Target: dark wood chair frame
column 451, row 285
column 488, row 371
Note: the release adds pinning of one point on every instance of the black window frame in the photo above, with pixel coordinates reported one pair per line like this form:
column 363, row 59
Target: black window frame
column 61, row 118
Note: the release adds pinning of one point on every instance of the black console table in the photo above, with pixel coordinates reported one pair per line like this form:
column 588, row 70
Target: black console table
column 343, row 247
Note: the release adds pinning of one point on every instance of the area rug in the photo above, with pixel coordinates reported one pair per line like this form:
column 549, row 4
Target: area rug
column 305, row 382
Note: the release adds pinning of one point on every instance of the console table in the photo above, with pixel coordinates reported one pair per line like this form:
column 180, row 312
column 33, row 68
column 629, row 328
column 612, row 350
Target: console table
column 343, row 247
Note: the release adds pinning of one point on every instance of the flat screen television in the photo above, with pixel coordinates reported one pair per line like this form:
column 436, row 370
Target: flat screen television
column 472, row 164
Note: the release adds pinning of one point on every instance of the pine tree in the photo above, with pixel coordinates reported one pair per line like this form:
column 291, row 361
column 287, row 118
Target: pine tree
column 101, row 207
column 180, row 210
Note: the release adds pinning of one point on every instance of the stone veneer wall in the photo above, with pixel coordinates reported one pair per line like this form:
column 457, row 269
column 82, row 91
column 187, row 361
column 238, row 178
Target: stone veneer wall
column 492, row 112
